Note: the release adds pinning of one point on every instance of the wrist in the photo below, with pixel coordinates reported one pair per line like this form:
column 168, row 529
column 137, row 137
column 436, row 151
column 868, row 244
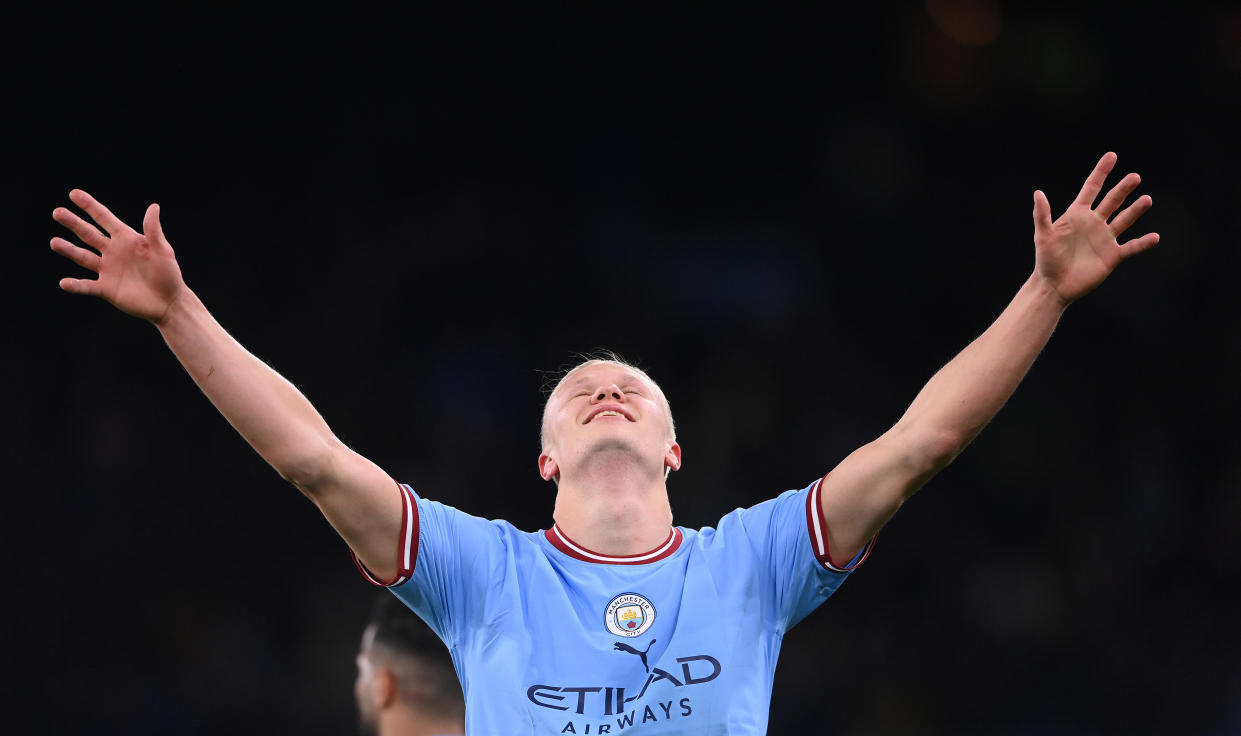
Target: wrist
column 180, row 309
column 1044, row 291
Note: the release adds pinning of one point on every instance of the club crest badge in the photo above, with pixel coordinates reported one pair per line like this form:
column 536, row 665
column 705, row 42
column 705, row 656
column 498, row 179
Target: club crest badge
column 629, row 614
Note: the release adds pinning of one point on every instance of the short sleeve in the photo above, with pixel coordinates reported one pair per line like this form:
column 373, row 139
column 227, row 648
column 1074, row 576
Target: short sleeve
column 406, row 546
column 787, row 538
column 448, row 559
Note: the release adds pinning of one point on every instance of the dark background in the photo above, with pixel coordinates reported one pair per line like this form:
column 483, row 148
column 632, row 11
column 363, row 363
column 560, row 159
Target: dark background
column 791, row 220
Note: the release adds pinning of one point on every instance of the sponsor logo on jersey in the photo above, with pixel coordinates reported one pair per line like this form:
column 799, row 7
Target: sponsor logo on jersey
column 629, row 614
column 605, row 707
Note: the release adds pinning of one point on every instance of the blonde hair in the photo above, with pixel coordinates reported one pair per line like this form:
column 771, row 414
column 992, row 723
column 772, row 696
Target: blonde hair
column 604, row 357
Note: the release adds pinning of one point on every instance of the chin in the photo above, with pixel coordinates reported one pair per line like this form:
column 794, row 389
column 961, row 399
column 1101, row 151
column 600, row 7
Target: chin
column 617, row 456
column 613, row 445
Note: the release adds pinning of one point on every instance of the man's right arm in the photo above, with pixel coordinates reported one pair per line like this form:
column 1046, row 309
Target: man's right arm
column 138, row 274
column 358, row 498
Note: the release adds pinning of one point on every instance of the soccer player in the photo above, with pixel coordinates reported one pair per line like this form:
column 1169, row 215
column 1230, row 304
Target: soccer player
column 406, row 684
column 613, row 619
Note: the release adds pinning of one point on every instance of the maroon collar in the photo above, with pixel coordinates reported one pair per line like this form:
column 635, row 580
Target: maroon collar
column 561, row 541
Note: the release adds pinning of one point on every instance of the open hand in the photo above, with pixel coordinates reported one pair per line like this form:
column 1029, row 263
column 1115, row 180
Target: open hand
column 1076, row 253
column 138, row 272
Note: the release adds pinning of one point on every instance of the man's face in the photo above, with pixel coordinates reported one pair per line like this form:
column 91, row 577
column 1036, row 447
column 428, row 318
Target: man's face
column 607, row 408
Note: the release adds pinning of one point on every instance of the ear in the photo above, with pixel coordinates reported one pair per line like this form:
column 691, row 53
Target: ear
column 672, row 459
column 548, row 469
column 383, row 687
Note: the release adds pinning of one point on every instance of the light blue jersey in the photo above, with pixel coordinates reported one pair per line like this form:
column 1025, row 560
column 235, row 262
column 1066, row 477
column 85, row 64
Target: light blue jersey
column 550, row 637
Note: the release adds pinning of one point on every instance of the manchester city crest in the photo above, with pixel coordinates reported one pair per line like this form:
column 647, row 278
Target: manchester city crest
column 629, row 614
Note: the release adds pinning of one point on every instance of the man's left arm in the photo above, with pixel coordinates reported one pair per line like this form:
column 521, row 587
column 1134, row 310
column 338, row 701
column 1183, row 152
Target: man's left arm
column 1073, row 255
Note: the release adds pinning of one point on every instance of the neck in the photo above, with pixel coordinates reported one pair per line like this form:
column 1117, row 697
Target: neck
column 614, row 507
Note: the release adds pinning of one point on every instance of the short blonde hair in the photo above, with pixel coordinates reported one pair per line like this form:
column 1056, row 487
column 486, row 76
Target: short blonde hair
column 605, row 357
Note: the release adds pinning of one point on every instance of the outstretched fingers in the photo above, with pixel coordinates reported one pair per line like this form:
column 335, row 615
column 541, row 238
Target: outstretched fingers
column 81, row 228
column 1042, row 212
column 1129, row 215
column 1137, row 245
column 1115, row 198
column 1094, row 182
column 100, row 214
column 86, row 287
column 80, row 256
column 151, row 226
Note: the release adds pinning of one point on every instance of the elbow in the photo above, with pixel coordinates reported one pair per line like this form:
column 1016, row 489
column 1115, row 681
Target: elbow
column 308, row 469
column 935, row 450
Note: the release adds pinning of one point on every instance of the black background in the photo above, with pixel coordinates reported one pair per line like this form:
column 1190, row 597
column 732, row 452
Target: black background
column 790, row 220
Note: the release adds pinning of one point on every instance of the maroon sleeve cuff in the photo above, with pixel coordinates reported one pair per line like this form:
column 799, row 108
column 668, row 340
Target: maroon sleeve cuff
column 816, row 524
column 407, row 543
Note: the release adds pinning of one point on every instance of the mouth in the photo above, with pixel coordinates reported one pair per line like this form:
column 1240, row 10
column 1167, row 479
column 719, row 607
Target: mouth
column 610, row 413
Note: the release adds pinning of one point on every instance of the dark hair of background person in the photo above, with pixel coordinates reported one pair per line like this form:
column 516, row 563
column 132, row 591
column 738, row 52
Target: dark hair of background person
column 426, row 681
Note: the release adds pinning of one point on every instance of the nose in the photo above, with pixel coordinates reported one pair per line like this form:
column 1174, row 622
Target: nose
column 603, row 393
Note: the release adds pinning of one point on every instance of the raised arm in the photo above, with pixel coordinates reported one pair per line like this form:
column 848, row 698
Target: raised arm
column 1073, row 255
column 138, row 274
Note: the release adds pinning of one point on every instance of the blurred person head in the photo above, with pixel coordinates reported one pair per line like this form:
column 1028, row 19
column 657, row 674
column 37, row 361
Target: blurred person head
column 406, row 683
column 605, row 404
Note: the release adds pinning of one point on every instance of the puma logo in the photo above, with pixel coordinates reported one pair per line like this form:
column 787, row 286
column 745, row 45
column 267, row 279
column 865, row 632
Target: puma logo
column 623, row 647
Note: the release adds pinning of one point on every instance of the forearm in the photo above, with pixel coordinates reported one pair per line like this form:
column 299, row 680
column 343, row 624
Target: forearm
column 1073, row 255
column 268, row 411
column 966, row 394
column 138, row 274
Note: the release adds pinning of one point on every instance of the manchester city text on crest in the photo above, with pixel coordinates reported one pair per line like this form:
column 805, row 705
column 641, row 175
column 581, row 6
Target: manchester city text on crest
column 629, row 614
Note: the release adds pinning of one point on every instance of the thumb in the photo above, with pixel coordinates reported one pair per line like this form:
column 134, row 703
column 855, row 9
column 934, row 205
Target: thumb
column 150, row 224
column 1042, row 212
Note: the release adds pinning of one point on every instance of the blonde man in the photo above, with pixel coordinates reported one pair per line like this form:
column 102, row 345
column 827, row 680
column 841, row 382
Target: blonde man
column 613, row 618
